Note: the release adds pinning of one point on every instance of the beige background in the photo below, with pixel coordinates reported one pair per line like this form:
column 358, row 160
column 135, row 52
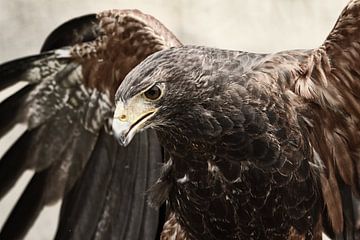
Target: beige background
column 250, row 25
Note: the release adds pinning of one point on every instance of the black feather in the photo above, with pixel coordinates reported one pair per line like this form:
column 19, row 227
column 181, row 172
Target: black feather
column 76, row 30
column 29, row 151
column 115, row 204
column 10, row 108
column 12, row 163
column 27, row 208
column 12, row 71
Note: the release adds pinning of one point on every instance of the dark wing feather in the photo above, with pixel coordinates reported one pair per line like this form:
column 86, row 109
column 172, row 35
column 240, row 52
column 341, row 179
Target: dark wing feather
column 27, row 207
column 329, row 85
column 64, row 109
column 11, row 74
column 18, row 112
column 57, row 140
column 116, row 193
column 81, row 29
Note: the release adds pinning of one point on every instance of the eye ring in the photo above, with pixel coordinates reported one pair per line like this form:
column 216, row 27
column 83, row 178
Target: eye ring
column 153, row 93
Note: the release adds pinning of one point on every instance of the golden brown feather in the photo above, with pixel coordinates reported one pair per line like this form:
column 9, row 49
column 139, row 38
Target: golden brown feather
column 128, row 37
column 334, row 70
column 324, row 86
column 172, row 230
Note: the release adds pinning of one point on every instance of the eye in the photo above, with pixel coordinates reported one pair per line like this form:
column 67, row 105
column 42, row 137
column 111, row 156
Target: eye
column 153, row 93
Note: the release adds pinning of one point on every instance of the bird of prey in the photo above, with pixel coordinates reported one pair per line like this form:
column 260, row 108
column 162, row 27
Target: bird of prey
column 261, row 146
column 61, row 102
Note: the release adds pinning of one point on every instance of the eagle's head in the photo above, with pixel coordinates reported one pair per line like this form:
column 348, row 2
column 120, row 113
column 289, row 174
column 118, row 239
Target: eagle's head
column 173, row 90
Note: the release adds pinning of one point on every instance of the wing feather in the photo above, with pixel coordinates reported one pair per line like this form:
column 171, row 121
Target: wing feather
column 138, row 34
column 332, row 72
column 112, row 192
column 322, row 85
column 67, row 111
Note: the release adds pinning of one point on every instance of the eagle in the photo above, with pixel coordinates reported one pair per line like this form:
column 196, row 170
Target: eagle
column 59, row 104
column 258, row 146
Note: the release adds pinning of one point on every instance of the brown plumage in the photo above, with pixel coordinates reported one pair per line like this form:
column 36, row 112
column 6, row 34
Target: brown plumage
column 331, row 85
column 139, row 35
column 261, row 146
column 65, row 108
column 172, row 230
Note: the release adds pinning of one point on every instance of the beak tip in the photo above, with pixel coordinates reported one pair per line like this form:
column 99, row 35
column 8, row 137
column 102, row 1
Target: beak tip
column 121, row 132
column 122, row 141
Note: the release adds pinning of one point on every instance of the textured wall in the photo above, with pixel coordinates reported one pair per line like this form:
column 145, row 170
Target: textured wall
column 261, row 26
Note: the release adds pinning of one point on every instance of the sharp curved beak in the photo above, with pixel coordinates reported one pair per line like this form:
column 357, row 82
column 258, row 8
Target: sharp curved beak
column 121, row 132
column 130, row 119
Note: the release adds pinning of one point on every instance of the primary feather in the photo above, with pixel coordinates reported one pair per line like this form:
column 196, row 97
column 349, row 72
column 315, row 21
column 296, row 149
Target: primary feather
column 64, row 107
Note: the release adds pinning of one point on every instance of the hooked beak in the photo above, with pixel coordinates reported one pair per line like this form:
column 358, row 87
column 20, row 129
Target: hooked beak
column 130, row 119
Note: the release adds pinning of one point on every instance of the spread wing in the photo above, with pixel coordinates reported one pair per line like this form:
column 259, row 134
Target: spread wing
column 56, row 108
column 329, row 84
column 322, row 86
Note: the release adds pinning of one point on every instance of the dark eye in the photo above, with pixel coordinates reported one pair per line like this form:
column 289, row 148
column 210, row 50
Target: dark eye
column 153, row 93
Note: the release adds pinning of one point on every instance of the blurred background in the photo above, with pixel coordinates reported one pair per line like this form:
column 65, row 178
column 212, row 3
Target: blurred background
column 248, row 25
